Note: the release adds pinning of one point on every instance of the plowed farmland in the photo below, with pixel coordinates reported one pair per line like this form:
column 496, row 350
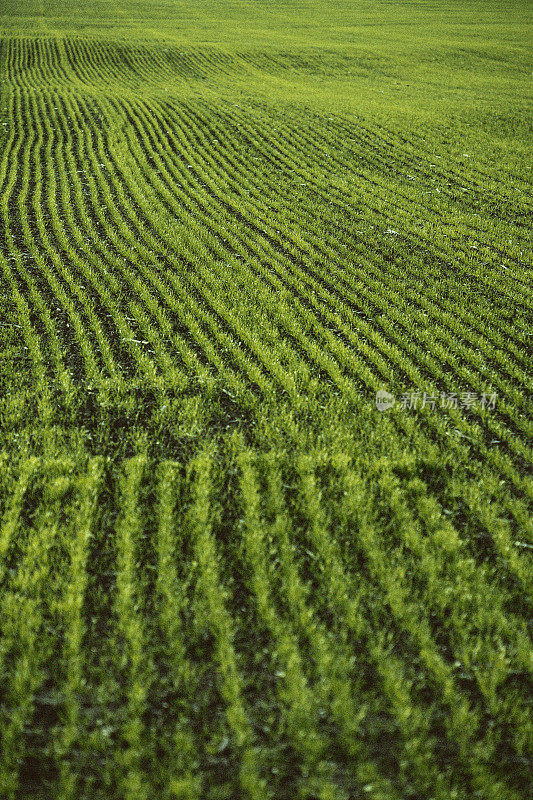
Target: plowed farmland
column 265, row 400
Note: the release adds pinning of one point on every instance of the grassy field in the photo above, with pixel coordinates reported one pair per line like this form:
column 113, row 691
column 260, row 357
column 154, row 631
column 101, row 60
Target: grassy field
column 224, row 571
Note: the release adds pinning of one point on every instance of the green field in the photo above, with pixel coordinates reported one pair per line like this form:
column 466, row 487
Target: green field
column 225, row 225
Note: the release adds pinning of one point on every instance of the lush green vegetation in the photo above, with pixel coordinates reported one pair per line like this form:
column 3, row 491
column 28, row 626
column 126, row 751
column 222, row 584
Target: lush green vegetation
column 224, row 573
